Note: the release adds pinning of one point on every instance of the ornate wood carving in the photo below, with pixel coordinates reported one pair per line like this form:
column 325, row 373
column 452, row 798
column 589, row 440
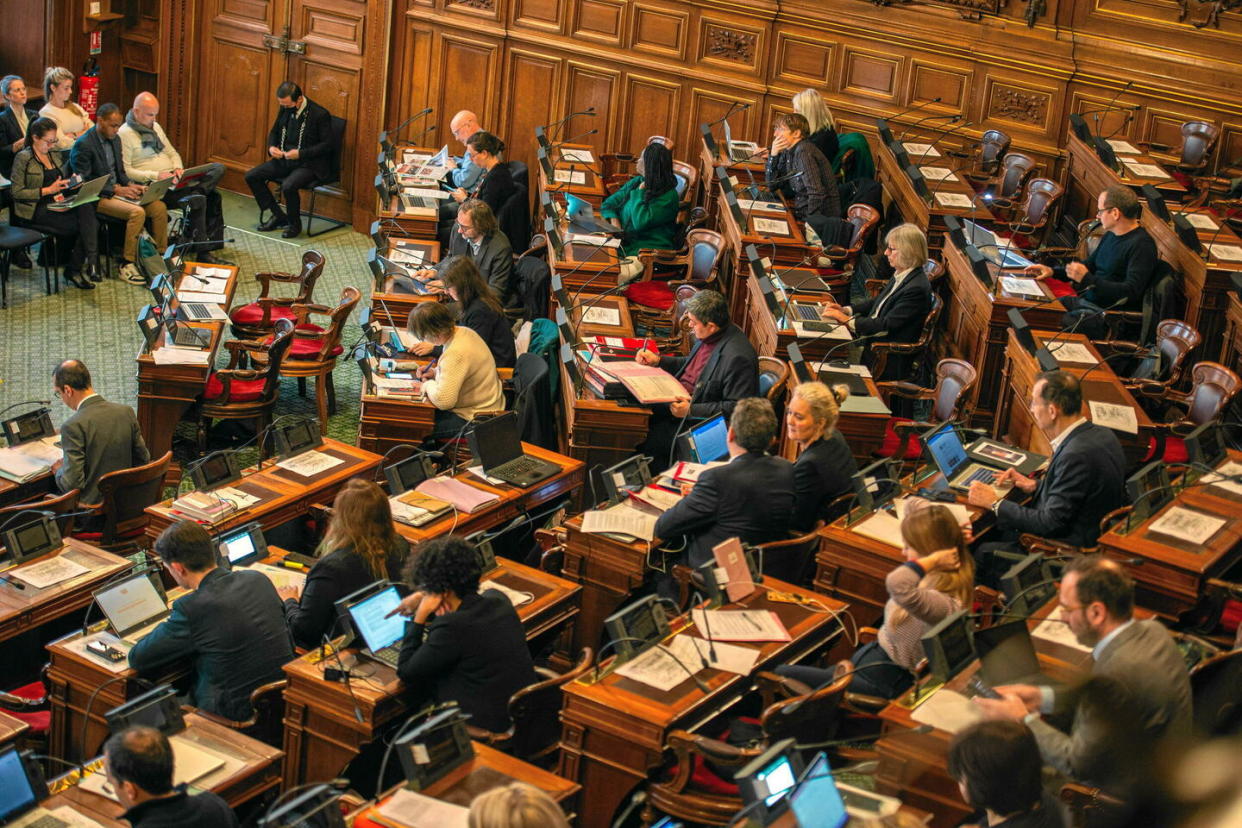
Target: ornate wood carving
column 1022, row 105
column 730, row 44
column 1215, row 7
column 481, row 5
column 973, row 7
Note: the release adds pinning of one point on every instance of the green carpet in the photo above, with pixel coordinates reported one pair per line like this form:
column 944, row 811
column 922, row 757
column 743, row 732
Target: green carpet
column 97, row 326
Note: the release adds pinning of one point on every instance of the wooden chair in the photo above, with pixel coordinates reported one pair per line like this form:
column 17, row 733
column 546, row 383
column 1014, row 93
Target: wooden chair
column 1216, row 702
column 881, row 350
column 315, row 348
column 63, row 505
column 690, row 177
column 1015, row 169
column 535, row 711
column 801, row 710
column 258, row 319
column 950, row 397
column 679, row 797
column 1212, row 387
column 240, row 393
column 32, row 704
column 864, row 219
column 126, row 495
column 694, row 265
column 792, row 559
column 1174, row 341
column 1198, row 140
column 1042, row 195
column 992, row 147
column 267, row 703
column 773, row 377
column 1089, row 807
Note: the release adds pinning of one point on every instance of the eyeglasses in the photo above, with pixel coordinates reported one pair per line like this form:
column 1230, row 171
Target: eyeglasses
column 1067, row 609
column 56, row 393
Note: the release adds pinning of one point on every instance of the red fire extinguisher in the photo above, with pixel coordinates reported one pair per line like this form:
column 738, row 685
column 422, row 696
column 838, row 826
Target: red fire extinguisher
column 88, row 88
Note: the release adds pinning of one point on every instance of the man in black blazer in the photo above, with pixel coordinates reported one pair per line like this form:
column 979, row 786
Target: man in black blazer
column 99, row 438
column 14, row 120
column 98, row 152
column 721, row 369
column 1085, row 479
column 751, row 497
column 139, row 765
column 479, row 237
column 230, row 627
column 300, row 149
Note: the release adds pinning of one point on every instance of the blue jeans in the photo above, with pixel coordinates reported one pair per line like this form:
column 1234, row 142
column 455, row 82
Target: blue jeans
column 886, row 682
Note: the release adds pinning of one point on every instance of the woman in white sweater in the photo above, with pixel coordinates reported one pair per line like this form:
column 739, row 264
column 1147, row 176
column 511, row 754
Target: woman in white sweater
column 463, row 381
column 71, row 119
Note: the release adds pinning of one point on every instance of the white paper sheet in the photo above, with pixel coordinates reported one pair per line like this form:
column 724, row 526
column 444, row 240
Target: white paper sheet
column 19, row 466
column 191, row 761
column 1123, row 147
column 729, row 657
column 953, row 200
column 210, row 298
column 180, row 356
column 569, row 176
column 947, row 710
column 212, row 272
column 1218, row 479
column 515, row 597
column 592, row 239
column 279, row 576
column 414, row 810
column 938, row 174
column 739, row 625
column 577, row 156
column 204, row 284
column 748, row 205
column 1200, row 221
column 236, row 496
column 1187, row 525
column 1116, row 417
column 1228, row 252
column 310, row 463
column 1073, row 353
column 666, row 665
column 621, row 519
column 881, row 526
column 1022, row 286
column 601, row 316
column 1144, row 170
column 45, row 573
column 78, row 645
column 921, row 150
column 960, row 512
column 775, row 227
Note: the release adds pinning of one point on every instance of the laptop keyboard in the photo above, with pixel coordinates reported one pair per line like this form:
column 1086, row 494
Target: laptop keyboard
column 807, row 312
column 760, row 194
column 981, row 474
column 197, row 309
column 388, row 655
column 48, row 821
column 520, row 466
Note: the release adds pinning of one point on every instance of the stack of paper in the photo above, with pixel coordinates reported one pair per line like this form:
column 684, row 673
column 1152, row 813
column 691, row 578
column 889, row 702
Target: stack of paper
column 947, row 710
column 1187, row 525
column 515, row 597
column 739, row 625
column 180, row 356
column 203, row 506
column 657, row 497
column 310, row 463
column 409, row 809
column 592, row 239
column 622, row 519
column 881, row 526
column 51, row 571
column 281, row 577
column 648, row 383
column 463, row 497
column 20, row 466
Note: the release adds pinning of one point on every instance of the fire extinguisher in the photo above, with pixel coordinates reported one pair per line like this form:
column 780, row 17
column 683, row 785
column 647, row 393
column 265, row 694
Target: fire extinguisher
column 88, row 88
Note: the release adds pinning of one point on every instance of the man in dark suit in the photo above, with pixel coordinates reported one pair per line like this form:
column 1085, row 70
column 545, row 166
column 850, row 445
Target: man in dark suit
column 479, row 237
column 721, row 369
column 1138, row 695
column 100, row 437
column 751, row 497
column 97, row 153
column 14, row 120
column 300, row 149
column 1085, row 479
column 230, row 627
column 139, row 765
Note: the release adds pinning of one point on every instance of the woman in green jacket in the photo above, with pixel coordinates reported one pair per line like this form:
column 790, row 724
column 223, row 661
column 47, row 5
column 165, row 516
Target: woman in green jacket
column 646, row 207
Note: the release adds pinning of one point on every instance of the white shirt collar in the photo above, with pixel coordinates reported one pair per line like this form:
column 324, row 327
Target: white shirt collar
column 301, row 107
column 1056, row 442
column 1100, row 645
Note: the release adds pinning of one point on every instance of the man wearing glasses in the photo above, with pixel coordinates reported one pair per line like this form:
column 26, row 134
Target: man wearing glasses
column 1139, row 690
column 1117, row 274
column 476, row 235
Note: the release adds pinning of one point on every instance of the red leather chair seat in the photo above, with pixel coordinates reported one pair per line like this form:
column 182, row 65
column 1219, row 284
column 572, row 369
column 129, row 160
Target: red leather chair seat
column 252, row 314
column 891, row 446
column 302, row 348
column 653, row 294
column 242, row 391
column 1174, row 450
column 39, row 721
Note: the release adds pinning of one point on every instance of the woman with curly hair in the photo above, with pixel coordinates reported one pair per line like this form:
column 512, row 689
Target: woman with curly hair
column 461, row 645
column 360, row 547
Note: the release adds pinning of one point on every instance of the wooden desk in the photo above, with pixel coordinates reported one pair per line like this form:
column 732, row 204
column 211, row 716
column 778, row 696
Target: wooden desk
column 615, row 729
column 11, row 729
column 1231, row 339
column 1171, row 581
column 86, row 804
column 392, row 310
column 912, row 766
column 165, row 392
column 928, row 215
column 1014, row 418
column 787, row 246
column 487, row 769
column 33, row 489
column 599, row 432
column 22, row 610
column 978, row 325
column 585, row 269
column 568, row 165
column 624, row 327
column 419, row 223
column 761, row 326
column 386, row 422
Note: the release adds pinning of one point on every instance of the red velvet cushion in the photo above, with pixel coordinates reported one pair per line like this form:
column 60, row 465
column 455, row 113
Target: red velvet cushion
column 1185, row 180
column 252, row 314
column 241, row 391
column 1231, row 615
column 892, row 441
column 303, row 348
column 653, row 294
column 705, row 779
column 39, row 721
column 1059, row 287
column 1174, row 450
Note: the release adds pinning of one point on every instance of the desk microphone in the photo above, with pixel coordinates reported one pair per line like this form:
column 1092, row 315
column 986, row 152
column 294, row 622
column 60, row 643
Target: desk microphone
column 711, row 642
column 595, row 300
column 345, row 676
column 25, row 402
column 426, row 131
column 1100, row 312
column 946, row 134
column 917, row 731
column 702, row 685
column 881, row 124
column 391, row 136
column 950, row 118
column 596, row 248
column 849, row 342
column 560, row 144
column 590, row 111
column 736, row 106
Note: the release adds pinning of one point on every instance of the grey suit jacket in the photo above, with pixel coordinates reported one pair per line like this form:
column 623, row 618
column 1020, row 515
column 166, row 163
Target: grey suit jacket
column 1153, row 689
column 494, row 261
column 99, row 438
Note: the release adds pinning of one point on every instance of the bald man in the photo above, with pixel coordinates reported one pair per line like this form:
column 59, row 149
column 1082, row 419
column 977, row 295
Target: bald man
column 463, row 173
column 148, row 156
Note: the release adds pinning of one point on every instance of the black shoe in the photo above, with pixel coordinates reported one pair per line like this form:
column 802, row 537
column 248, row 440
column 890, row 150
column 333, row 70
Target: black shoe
column 278, row 220
column 21, row 260
column 292, row 231
column 94, row 272
column 77, row 281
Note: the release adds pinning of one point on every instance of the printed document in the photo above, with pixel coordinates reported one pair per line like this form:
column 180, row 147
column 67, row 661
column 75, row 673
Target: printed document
column 773, row 227
column 938, row 173
column 921, row 150
column 1123, row 147
column 414, row 810
column 953, row 200
column 665, row 665
column 576, row 156
column 739, row 625
column 310, row 463
column 621, row 519
column 281, row 577
column 881, row 526
column 569, row 176
column 51, row 571
column 1219, row 478
column 946, row 710
column 1116, row 417
column 1022, row 286
column 1200, row 221
column 1228, row 252
column 1144, row 170
column 1073, row 353
column 602, row 316
column 1187, row 525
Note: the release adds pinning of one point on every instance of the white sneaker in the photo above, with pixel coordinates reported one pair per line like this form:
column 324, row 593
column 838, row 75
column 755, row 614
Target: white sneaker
column 129, row 273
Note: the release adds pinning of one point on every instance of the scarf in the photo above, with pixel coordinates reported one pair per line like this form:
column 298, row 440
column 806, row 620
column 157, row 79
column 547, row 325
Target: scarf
column 149, row 137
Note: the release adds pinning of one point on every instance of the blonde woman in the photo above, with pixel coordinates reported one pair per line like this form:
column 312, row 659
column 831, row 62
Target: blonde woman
column 936, row 580
column 810, row 105
column 825, row 463
column 899, row 310
column 518, row 805
column 71, row 119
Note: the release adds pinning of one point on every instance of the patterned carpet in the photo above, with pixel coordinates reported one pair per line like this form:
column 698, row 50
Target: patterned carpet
column 97, row 326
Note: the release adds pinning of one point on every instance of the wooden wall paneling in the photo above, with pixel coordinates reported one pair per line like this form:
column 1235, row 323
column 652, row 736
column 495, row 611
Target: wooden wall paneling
column 1015, row 104
column 932, row 78
column 467, row 76
column 803, row 59
column 649, row 106
column 592, row 85
column 709, row 104
column 732, row 44
column 603, row 21
column 541, row 15
column 410, row 78
column 179, row 22
column 477, row 10
column 873, row 74
column 531, row 78
column 660, row 31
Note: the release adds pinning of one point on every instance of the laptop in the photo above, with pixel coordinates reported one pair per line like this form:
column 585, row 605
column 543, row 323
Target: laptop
column 1007, row 655
column 496, row 444
column 1002, row 255
column 582, row 218
column 20, row 794
column 708, row 441
column 191, row 311
column 88, row 193
column 190, row 177
column 959, row 471
column 133, row 606
column 155, row 191
column 816, row 802
column 802, row 281
column 739, row 150
column 381, row 634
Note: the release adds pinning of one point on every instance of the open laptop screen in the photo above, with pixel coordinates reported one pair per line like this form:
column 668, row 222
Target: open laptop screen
column 816, row 801
column 130, row 603
column 497, row 440
column 709, row 440
column 369, row 619
column 946, row 450
column 16, row 794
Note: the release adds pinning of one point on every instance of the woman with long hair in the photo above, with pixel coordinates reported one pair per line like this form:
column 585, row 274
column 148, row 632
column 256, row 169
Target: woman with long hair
column 825, row 463
column 936, row 580
column 810, row 105
column 360, row 547
column 480, row 309
column 71, row 119
column 646, row 206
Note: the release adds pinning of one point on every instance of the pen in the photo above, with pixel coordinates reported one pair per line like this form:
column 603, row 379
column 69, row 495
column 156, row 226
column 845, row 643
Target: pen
column 11, row 582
